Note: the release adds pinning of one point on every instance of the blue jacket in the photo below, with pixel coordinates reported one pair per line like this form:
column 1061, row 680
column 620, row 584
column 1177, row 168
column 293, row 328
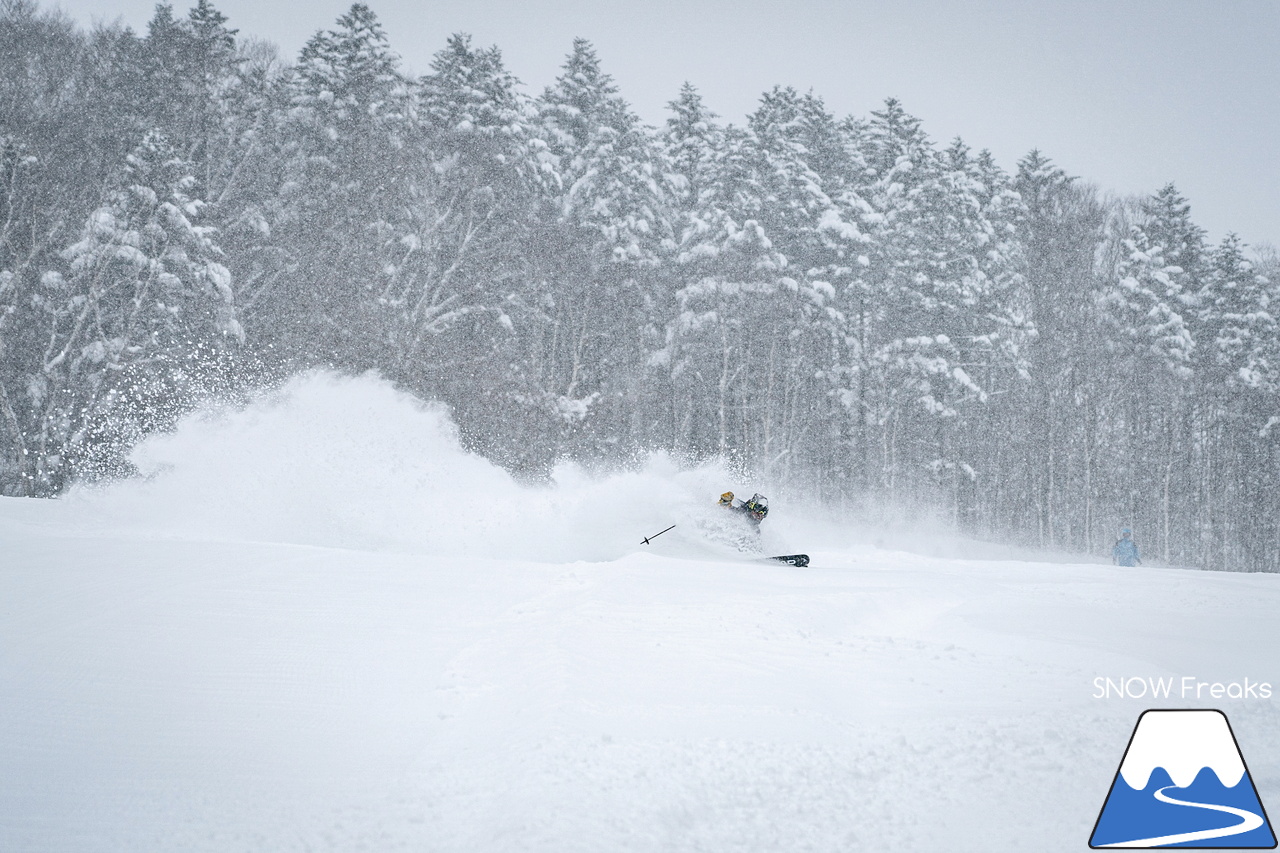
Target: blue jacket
column 1125, row 553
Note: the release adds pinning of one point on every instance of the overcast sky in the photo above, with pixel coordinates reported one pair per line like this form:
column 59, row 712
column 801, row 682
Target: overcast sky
column 1128, row 94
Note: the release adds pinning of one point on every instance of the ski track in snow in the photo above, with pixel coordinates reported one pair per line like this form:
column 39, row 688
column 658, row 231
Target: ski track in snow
column 253, row 651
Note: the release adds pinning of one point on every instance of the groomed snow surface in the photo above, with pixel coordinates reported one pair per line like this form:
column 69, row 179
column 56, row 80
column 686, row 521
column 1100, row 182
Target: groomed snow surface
column 320, row 626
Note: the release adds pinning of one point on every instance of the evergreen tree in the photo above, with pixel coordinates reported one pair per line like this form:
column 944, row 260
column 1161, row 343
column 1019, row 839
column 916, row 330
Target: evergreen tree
column 1169, row 226
column 1236, row 317
column 939, row 304
column 1236, row 401
column 348, row 185
column 600, row 255
column 1144, row 307
column 464, row 291
column 186, row 65
column 141, row 293
column 1056, row 461
column 799, row 342
column 691, row 142
column 729, row 273
column 472, row 209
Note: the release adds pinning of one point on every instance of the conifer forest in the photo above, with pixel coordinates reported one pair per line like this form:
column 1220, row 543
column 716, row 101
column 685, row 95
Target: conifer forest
column 842, row 308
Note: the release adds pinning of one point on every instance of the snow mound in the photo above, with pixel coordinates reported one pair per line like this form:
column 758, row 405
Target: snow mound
column 342, row 461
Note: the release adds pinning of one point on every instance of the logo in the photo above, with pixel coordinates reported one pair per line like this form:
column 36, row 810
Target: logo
column 1183, row 783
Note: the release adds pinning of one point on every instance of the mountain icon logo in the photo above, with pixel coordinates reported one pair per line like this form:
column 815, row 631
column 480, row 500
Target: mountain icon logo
column 1183, row 783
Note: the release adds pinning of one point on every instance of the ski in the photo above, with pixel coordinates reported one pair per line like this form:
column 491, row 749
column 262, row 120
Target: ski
column 797, row 560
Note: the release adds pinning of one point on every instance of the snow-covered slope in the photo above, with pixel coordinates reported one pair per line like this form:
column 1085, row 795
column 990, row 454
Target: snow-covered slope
column 321, row 626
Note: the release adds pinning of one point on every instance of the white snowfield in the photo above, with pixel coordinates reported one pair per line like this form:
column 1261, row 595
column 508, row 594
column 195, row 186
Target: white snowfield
column 320, row 626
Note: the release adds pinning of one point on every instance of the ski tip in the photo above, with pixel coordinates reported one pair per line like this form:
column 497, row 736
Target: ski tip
column 797, row 560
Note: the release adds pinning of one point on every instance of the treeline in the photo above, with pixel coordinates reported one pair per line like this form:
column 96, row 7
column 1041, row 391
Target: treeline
column 841, row 306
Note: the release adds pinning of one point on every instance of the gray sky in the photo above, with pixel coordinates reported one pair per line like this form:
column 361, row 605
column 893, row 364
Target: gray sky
column 1128, row 94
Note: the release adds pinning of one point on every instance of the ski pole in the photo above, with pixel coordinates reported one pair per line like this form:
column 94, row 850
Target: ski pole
column 656, row 535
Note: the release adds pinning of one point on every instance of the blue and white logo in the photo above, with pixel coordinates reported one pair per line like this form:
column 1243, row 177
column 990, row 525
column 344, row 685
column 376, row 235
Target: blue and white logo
column 1183, row 783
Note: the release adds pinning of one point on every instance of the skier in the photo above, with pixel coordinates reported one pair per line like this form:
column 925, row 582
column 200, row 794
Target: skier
column 755, row 509
column 1125, row 552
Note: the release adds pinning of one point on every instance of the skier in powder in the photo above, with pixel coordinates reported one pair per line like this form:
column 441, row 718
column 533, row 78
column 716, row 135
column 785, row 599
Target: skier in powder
column 1125, row 552
column 754, row 509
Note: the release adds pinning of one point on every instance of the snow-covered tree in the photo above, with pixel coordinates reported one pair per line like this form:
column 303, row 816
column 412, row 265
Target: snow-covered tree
column 348, row 185
column 600, row 253
column 1168, row 225
column 141, row 292
column 691, row 140
column 800, row 156
column 729, row 274
column 470, row 212
column 462, row 290
column 1144, row 306
column 937, row 301
column 187, row 63
column 1237, row 321
column 612, row 176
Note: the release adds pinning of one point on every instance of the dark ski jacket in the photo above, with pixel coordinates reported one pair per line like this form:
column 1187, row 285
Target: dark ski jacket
column 1125, row 553
column 753, row 511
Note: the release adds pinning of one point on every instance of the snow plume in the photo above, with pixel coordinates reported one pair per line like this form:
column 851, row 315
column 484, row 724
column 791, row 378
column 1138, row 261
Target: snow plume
column 352, row 462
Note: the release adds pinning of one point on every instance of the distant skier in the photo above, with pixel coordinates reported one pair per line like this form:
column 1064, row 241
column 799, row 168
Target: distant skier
column 754, row 509
column 1125, row 552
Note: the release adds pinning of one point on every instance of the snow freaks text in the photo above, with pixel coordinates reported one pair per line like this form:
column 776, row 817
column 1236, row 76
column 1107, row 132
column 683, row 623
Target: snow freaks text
column 1186, row 687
